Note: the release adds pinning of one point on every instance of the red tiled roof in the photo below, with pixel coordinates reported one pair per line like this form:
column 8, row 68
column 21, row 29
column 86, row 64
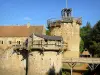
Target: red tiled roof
column 19, row 31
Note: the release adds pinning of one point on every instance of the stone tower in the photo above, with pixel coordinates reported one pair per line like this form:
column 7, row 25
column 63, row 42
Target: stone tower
column 69, row 28
column 45, row 55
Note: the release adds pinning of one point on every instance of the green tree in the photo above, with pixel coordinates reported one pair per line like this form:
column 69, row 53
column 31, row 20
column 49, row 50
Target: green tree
column 85, row 30
column 94, row 42
column 47, row 32
column 96, row 32
column 84, row 33
column 81, row 46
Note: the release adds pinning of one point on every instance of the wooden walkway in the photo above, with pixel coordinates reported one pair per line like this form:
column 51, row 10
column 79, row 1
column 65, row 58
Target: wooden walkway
column 81, row 60
column 73, row 61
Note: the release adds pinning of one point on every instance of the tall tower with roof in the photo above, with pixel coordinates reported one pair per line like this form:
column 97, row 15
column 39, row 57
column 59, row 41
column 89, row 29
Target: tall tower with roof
column 69, row 28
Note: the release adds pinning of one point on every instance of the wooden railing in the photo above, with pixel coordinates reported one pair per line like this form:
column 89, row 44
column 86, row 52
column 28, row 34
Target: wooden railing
column 56, row 22
column 38, row 44
column 46, row 45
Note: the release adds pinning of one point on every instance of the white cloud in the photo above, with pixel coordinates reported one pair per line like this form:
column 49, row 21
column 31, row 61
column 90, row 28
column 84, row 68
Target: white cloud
column 27, row 18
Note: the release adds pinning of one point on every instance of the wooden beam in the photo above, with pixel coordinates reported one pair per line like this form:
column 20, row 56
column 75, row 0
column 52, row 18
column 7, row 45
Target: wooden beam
column 81, row 60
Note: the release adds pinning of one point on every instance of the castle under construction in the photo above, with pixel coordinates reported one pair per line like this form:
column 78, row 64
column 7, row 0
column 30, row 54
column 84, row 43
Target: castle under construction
column 33, row 53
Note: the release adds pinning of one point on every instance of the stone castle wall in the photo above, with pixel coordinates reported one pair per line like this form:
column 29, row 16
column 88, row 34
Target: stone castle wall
column 11, row 64
column 71, row 36
column 47, row 63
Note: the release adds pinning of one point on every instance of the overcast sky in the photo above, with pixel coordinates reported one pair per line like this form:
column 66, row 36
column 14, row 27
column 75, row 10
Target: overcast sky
column 38, row 11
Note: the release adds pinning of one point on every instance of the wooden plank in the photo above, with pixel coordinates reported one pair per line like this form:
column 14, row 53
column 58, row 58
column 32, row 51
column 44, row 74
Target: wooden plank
column 82, row 60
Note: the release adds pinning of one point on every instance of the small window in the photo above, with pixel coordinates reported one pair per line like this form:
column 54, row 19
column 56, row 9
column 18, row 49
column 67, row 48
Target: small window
column 1, row 42
column 18, row 42
column 10, row 42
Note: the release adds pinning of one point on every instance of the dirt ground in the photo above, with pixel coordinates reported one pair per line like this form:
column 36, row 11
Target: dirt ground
column 78, row 69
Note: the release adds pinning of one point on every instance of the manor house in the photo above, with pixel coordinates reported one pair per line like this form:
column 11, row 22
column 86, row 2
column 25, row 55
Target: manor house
column 12, row 35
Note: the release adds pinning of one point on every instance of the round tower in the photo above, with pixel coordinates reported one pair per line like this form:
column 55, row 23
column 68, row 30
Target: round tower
column 45, row 55
column 69, row 28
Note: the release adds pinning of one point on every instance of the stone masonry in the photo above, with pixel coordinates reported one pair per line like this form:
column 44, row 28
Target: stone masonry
column 69, row 29
column 45, row 57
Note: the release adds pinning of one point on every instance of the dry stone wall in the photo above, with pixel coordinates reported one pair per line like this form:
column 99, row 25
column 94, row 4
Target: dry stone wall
column 11, row 64
column 71, row 36
column 47, row 63
column 55, row 31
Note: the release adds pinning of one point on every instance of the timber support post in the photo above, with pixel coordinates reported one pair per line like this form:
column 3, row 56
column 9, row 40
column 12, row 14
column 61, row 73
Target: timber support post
column 93, row 66
column 71, row 67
